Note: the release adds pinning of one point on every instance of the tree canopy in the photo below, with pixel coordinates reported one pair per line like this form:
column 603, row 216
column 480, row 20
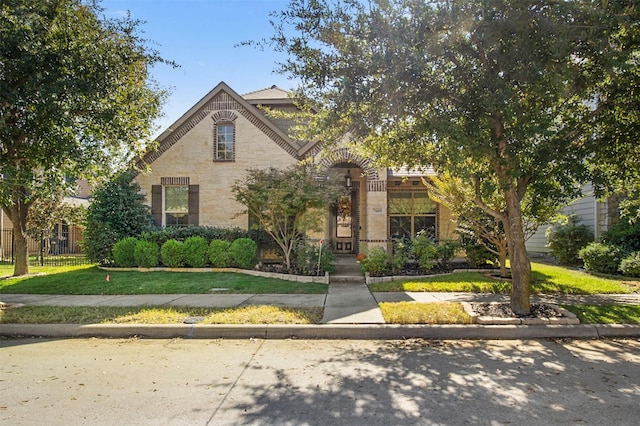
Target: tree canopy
column 502, row 94
column 76, row 100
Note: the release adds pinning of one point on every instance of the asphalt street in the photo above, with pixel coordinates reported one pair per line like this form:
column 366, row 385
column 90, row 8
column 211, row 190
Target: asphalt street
column 319, row 382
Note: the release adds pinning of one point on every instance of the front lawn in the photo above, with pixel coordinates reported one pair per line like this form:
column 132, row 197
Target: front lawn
column 92, row 280
column 606, row 314
column 545, row 279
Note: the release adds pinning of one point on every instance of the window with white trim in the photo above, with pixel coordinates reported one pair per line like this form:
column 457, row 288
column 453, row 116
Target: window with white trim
column 224, row 146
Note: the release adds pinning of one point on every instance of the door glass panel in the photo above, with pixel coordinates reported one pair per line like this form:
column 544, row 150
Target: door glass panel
column 343, row 229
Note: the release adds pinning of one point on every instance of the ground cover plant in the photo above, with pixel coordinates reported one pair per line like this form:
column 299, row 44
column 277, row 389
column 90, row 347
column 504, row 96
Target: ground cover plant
column 92, row 280
column 159, row 315
column 546, row 279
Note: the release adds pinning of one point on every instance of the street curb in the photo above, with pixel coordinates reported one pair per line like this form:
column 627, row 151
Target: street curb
column 339, row 331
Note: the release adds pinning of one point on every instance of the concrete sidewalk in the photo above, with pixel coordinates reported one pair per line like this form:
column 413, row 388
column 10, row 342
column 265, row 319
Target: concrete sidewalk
column 350, row 311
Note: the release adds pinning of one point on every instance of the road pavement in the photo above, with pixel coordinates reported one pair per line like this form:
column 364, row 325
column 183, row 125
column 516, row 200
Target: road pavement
column 326, row 382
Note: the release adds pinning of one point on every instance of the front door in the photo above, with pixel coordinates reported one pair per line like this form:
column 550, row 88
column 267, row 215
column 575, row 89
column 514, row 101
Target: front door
column 344, row 225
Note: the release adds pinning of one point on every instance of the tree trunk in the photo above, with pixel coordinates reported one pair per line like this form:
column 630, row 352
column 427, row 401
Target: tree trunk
column 18, row 215
column 520, row 265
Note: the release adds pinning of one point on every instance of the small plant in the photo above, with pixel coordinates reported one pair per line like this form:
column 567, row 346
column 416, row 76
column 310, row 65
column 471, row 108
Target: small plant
column 219, row 255
column 307, row 254
column 172, row 254
column 630, row 265
column 196, row 252
column 426, row 251
column 146, row 254
column 565, row 237
column 447, row 251
column 402, row 252
column 599, row 257
column 123, row 252
column 244, row 252
column 376, row 263
column 478, row 255
column 360, row 257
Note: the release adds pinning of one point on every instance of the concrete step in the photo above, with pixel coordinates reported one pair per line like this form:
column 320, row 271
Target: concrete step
column 346, row 279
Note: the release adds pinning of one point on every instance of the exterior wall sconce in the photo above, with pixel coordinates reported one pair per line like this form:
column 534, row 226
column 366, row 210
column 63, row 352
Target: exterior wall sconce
column 347, row 179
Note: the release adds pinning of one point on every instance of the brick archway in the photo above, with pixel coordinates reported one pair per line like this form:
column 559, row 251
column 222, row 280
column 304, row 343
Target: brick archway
column 343, row 155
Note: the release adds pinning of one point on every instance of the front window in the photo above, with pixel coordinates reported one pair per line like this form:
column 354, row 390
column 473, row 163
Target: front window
column 224, row 142
column 176, row 205
column 410, row 213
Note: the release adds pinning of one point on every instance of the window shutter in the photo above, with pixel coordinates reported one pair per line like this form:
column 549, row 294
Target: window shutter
column 156, row 204
column 194, row 205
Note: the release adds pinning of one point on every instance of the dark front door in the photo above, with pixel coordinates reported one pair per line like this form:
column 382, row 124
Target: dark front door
column 344, row 224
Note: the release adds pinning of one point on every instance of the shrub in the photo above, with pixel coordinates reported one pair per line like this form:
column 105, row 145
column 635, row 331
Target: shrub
column 172, row 254
column 307, row 254
column 123, row 252
column 478, row 255
column 402, row 252
column 630, row 265
column 146, row 254
column 376, row 262
column 244, row 252
column 447, row 251
column 599, row 257
column 116, row 212
column 566, row 237
column 624, row 235
column 195, row 252
column 426, row 251
column 219, row 255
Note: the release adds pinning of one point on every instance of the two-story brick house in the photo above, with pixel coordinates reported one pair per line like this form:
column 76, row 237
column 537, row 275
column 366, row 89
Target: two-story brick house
column 212, row 145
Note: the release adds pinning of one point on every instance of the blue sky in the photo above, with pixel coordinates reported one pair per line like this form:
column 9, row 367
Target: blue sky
column 201, row 36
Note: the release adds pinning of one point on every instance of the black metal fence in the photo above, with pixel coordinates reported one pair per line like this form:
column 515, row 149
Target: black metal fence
column 60, row 247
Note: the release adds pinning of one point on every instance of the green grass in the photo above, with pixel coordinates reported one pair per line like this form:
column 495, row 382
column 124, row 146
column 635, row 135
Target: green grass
column 545, row 279
column 606, row 314
column 159, row 315
column 92, row 280
column 424, row 313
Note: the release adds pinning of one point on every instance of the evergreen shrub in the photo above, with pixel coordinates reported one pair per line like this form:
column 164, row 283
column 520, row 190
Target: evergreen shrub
column 219, row 255
column 172, row 254
column 124, row 252
column 196, row 252
column 630, row 265
column 565, row 238
column 146, row 254
column 244, row 253
column 600, row 257
column 376, row 263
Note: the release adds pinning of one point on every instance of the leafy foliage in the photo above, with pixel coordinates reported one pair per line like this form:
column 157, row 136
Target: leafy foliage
column 599, row 257
column 116, row 211
column 243, row 251
column 76, row 100
column 146, row 254
column 124, row 252
column 196, row 252
column 284, row 203
column 376, row 263
column 309, row 259
column 172, row 254
column 630, row 265
column 219, row 254
column 496, row 93
column 565, row 237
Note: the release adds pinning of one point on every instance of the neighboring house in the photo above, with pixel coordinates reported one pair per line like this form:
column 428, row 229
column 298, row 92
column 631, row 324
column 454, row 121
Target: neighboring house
column 200, row 157
column 597, row 215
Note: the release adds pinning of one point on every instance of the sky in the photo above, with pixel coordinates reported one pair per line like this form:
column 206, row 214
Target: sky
column 201, row 36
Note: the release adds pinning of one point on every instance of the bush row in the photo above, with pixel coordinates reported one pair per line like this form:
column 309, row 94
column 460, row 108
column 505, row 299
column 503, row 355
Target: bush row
column 421, row 251
column 618, row 250
column 194, row 252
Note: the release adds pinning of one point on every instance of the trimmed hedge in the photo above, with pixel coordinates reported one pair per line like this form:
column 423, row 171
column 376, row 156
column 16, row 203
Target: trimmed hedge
column 146, row 254
column 630, row 265
column 196, row 252
column 124, row 252
column 599, row 257
column 244, row 252
column 219, row 255
column 172, row 254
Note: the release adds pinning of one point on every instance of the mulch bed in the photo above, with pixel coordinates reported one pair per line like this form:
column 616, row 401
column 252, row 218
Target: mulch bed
column 503, row 310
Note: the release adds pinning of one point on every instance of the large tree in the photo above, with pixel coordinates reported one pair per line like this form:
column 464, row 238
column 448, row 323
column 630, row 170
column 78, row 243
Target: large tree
column 498, row 93
column 75, row 100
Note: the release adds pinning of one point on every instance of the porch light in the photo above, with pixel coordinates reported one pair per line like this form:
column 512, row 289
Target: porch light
column 347, row 179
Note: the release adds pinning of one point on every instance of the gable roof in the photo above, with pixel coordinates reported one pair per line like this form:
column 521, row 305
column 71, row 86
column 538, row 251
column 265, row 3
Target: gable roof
column 270, row 93
column 223, row 97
